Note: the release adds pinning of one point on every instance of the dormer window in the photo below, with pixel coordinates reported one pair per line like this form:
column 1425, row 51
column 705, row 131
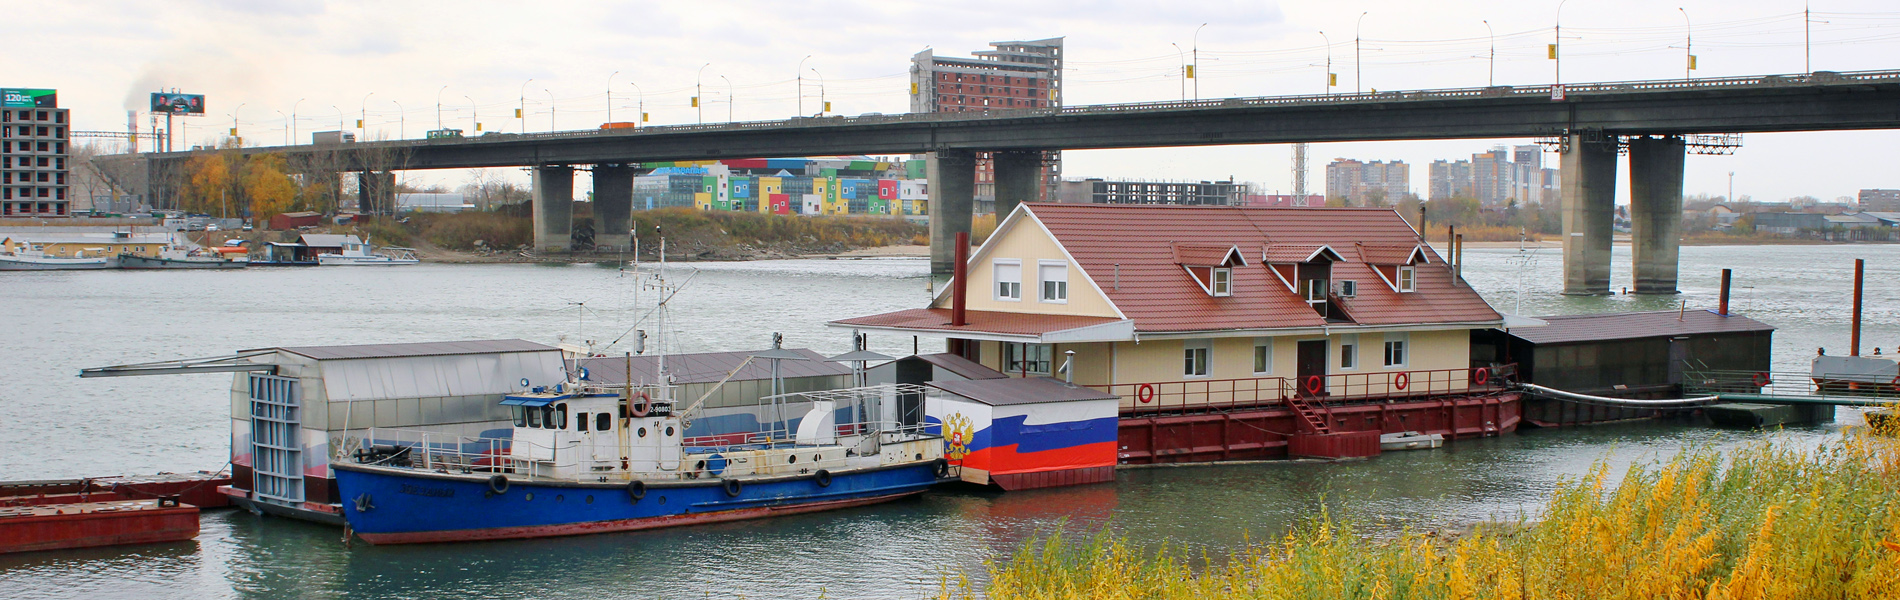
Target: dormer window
column 1223, row 282
column 1408, row 278
column 1348, row 288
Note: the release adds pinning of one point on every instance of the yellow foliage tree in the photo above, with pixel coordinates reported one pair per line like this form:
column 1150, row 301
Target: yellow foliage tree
column 208, row 184
column 269, row 190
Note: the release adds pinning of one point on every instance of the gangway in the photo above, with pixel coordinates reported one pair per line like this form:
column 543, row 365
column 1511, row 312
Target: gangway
column 1788, row 387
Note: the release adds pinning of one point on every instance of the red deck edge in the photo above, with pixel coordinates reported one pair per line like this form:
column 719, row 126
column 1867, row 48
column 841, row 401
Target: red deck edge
column 85, row 530
column 505, row 533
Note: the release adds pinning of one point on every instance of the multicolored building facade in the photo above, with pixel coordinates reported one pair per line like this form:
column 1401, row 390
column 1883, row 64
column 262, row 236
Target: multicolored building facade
column 787, row 186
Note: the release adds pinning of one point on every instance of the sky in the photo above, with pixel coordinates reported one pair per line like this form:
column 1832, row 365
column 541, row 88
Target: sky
column 405, row 67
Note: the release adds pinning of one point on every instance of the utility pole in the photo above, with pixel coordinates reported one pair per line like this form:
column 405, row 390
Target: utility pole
column 1194, row 74
column 801, row 84
column 610, row 97
column 1689, row 45
column 1492, row 79
column 1356, row 71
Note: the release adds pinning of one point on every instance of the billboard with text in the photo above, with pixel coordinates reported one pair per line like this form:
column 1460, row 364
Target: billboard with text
column 24, row 98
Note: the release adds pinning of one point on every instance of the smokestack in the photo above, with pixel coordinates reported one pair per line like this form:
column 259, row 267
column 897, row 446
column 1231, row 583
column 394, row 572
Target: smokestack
column 1860, row 268
column 1725, row 280
column 959, row 294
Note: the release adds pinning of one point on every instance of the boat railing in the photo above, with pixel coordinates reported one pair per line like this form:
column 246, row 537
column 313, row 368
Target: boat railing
column 1228, row 394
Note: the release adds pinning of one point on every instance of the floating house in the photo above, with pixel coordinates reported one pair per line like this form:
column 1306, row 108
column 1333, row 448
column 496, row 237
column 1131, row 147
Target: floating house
column 307, row 248
column 1228, row 332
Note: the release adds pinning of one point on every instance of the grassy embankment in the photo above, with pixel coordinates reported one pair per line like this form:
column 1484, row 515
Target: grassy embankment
column 1764, row 522
column 687, row 230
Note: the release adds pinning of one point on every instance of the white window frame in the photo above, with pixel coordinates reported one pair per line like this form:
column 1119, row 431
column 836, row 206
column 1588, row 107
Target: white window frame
column 1206, row 349
column 1221, row 282
column 1349, row 352
column 1259, row 344
column 1042, row 284
column 1404, row 340
column 1408, row 278
column 996, row 280
column 1348, row 288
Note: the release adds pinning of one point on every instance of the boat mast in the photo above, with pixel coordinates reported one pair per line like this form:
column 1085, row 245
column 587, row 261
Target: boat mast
column 665, row 396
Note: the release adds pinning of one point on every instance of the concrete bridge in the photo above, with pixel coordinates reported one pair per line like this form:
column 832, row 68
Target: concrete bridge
column 1590, row 124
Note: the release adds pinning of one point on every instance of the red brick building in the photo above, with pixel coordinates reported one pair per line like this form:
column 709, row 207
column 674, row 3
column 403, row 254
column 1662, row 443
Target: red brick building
column 1023, row 75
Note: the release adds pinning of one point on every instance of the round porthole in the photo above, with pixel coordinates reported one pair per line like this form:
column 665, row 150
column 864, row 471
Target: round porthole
column 669, row 431
column 560, row 497
column 662, row 499
column 642, row 431
column 791, row 459
column 528, row 496
column 590, row 499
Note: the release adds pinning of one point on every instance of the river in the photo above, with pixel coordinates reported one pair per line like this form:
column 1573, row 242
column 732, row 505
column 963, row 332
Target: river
column 54, row 425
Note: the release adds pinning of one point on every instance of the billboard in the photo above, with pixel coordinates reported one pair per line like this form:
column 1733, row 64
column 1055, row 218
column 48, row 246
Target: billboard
column 181, row 104
column 25, row 98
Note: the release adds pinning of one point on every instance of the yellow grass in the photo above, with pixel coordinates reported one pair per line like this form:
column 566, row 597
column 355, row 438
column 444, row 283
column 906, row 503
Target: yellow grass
column 1765, row 522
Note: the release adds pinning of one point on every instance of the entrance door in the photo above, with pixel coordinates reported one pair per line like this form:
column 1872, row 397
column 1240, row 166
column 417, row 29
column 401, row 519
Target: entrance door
column 1312, row 363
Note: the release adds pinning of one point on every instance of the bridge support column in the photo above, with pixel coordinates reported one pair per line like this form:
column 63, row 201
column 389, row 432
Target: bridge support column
column 376, row 192
column 952, row 175
column 1589, row 212
column 1018, row 177
column 553, row 208
column 1656, row 211
column 613, row 208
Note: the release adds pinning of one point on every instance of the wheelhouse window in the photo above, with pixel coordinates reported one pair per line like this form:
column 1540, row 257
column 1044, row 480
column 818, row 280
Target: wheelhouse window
column 1031, row 359
column 603, row 422
column 1195, row 357
column 521, row 415
column 1009, row 279
column 1223, row 282
column 1054, row 276
column 1408, row 278
column 534, row 416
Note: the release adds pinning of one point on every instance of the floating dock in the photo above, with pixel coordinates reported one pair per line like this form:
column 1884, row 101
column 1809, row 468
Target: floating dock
column 87, row 524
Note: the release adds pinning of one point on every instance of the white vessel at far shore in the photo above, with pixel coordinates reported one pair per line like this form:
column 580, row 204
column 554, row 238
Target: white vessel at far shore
column 359, row 255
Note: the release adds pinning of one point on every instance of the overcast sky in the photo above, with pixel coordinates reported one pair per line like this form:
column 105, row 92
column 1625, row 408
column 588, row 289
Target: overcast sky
column 351, row 59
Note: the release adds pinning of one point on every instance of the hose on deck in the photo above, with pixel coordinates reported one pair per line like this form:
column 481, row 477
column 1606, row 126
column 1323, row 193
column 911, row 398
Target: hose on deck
column 1625, row 402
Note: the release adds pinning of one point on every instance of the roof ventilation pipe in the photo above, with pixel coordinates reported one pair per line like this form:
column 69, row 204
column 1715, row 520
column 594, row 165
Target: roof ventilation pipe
column 1723, row 307
column 959, row 295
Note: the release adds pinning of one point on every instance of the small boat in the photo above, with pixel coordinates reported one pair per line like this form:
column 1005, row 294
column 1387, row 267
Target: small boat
column 1410, row 440
column 179, row 258
column 359, row 255
column 34, row 260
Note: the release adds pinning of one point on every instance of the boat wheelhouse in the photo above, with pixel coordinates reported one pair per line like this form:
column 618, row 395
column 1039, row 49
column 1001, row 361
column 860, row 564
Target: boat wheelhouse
column 1331, row 325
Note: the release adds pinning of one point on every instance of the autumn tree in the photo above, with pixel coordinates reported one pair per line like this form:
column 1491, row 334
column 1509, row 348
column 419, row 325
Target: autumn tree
column 265, row 185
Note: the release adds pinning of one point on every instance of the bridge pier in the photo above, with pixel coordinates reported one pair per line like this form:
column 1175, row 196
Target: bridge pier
column 1656, row 211
column 376, row 192
column 553, row 208
column 613, row 207
column 1589, row 212
column 952, row 176
column 1018, row 179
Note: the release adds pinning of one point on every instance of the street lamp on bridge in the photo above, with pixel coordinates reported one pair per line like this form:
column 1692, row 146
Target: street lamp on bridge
column 699, row 93
column 1182, row 55
column 438, row 106
column 521, row 114
column 728, row 98
column 1196, row 44
column 1357, row 72
column 801, row 84
column 293, row 121
column 610, row 96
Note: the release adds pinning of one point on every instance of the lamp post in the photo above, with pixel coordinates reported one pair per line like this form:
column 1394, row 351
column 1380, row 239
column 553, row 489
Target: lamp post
column 1182, row 55
column 801, row 84
column 402, row 120
column 1557, row 44
column 1357, row 72
column 1329, row 62
column 823, row 106
column 475, row 115
column 1688, row 45
column 642, row 116
column 521, row 114
column 551, row 107
column 339, row 119
column 234, row 123
column 728, row 98
column 362, row 116
column 699, row 94
column 293, row 120
column 610, row 96
column 438, row 106
column 1196, row 75
column 286, row 127
column 1492, row 79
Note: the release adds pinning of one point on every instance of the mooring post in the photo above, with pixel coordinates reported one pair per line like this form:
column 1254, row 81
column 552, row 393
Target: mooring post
column 1860, row 269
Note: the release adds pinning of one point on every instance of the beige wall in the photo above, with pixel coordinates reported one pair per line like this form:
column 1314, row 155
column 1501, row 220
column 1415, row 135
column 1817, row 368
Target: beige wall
column 1027, row 242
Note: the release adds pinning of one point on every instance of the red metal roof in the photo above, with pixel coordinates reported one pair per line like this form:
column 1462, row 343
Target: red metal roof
column 1203, row 255
column 1567, row 329
column 1160, row 296
column 1387, row 254
column 984, row 321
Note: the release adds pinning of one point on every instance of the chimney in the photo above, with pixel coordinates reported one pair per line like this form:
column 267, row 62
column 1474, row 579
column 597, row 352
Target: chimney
column 1458, row 250
column 959, row 294
column 1723, row 310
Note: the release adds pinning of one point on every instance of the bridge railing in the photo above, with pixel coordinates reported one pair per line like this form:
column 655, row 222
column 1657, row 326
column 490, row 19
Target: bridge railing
column 1569, row 89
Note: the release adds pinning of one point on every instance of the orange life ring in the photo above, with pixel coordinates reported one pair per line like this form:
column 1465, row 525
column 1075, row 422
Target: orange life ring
column 1314, row 383
column 1762, row 379
column 1401, row 380
column 1145, row 393
column 642, row 408
column 1480, row 376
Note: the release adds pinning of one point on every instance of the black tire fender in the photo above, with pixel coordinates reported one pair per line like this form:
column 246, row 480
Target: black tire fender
column 498, row 484
column 637, row 489
column 733, row 487
column 822, row 478
column 942, row 468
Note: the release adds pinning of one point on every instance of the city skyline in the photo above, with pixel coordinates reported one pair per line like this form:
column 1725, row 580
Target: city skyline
column 331, row 64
